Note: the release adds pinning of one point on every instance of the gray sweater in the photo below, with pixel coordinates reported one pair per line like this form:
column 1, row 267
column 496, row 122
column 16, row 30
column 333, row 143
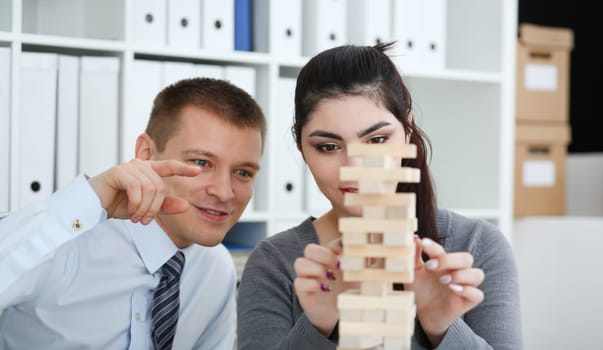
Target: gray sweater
column 270, row 316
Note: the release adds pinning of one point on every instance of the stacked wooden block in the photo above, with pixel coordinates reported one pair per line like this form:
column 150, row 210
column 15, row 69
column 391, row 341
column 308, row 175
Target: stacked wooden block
column 378, row 249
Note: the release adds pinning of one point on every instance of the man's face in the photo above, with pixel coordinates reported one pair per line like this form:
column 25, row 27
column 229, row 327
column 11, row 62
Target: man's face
column 229, row 157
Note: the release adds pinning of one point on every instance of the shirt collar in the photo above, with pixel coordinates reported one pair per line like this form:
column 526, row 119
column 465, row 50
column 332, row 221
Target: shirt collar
column 153, row 244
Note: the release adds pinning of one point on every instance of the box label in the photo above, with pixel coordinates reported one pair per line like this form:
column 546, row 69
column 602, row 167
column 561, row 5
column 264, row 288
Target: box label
column 542, row 77
column 538, row 173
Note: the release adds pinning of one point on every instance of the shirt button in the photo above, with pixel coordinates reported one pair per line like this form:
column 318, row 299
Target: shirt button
column 76, row 225
column 137, row 316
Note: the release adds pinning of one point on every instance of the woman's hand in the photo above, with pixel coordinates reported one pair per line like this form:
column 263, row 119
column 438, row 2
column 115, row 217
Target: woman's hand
column 445, row 287
column 318, row 283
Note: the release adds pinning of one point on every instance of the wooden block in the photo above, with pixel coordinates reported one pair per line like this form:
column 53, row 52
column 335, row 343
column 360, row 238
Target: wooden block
column 382, row 161
column 398, row 239
column 394, row 300
column 400, row 264
column 378, row 275
column 402, row 174
column 347, row 263
column 375, row 289
column 377, row 186
column 373, row 316
column 354, row 342
column 385, row 199
column 400, row 316
column 407, row 151
column 354, row 237
column 351, row 315
column 355, row 224
column 398, row 343
column 363, row 329
column 379, row 250
column 374, row 212
column 400, row 212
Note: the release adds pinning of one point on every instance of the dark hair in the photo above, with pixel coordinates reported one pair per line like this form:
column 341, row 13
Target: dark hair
column 226, row 100
column 368, row 71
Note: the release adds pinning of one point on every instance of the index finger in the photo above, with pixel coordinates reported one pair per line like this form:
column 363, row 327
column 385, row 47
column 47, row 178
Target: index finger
column 166, row 168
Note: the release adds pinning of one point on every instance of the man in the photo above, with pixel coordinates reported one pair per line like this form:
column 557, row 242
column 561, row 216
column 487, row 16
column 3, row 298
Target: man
column 130, row 258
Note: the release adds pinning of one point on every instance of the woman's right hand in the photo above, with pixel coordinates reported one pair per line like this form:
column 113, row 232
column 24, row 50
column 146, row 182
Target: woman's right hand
column 318, row 284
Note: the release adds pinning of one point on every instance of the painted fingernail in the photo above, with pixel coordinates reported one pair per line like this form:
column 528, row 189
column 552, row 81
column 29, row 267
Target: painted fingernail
column 147, row 220
column 338, row 265
column 325, row 287
column 427, row 242
column 431, row 264
column 136, row 219
column 445, row 279
column 455, row 287
column 330, row 275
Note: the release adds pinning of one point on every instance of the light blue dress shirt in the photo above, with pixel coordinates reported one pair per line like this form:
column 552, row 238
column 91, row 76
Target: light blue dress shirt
column 70, row 278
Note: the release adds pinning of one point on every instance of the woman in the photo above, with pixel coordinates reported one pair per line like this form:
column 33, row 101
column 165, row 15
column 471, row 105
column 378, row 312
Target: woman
column 466, row 290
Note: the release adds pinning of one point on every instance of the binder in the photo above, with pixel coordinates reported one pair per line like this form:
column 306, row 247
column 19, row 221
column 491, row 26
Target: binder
column 172, row 72
column 99, row 111
column 278, row 29
column 433, row 51
column 146, row 84
column 67, row 120
column 315, row 203
column 406, row 24
column 5, row 81
column 368, row 22
column 287, row 165
column 208, row 71
column 37, row 127
column 183, row 23
column 243, row 77
column 150, row 22
column 217, row 25
column 324, row 25
column 242, row 25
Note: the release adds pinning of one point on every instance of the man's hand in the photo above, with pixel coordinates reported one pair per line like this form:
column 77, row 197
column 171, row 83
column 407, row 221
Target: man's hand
column 137, row 190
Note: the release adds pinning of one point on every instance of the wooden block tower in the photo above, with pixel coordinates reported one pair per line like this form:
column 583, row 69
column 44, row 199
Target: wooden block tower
column 378, row 249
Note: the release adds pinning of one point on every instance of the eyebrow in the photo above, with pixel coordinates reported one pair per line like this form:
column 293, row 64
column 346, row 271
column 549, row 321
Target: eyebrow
column 197, row 153
column 362, row 133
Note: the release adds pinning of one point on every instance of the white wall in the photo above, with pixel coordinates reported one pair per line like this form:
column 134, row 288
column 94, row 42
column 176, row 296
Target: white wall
column 561, row 281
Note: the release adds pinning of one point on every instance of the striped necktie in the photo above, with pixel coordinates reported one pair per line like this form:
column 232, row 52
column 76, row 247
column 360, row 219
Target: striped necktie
column 166, row 302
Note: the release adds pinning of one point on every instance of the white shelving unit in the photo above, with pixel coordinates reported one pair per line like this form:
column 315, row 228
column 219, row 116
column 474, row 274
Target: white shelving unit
column 466, row 108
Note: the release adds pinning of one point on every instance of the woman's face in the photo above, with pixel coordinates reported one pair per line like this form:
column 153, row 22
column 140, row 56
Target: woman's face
column 336, row 123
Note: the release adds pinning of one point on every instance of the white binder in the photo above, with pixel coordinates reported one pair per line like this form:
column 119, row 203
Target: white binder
column 315, row 203
column 99, row 111
column 5, row 81
column 172, row 72
column 217, row 25
column 146, row 84
column 67, row 120
column 150, row 22
column 202, row 70
column 243, row 77
column 286, row 163
column 184, row 23
column 324, row 25
column 434, row 31
column 369, row 21
column 37, row 127
column 406, row 24
column 277, row 27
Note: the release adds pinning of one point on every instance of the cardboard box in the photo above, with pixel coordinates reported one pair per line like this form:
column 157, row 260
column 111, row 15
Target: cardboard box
column 540, row 155
column 543, row 56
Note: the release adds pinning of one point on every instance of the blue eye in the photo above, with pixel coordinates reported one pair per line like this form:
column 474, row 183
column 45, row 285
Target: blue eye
column 244, row 173
column 202, row 163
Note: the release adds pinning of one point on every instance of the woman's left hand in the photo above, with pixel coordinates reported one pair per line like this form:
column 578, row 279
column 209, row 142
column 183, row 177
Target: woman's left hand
column 445, row 287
